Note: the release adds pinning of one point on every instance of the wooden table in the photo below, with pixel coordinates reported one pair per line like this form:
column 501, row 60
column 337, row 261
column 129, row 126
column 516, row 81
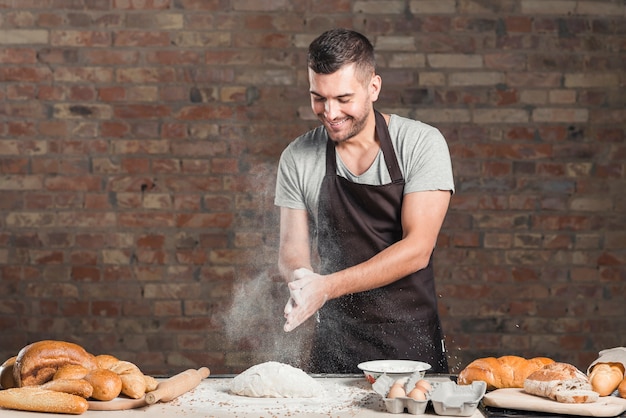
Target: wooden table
column 346, row 396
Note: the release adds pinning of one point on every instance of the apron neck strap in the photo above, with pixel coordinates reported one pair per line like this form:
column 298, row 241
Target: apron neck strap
column 385, row 144
column 382, row 132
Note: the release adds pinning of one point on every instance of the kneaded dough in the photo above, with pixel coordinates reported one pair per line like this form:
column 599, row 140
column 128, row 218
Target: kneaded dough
column 275, row 380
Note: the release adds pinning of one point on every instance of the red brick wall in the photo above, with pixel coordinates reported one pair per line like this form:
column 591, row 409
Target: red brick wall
column 139, row 140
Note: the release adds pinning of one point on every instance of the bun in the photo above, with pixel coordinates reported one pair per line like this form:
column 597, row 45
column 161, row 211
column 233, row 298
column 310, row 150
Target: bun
column 621, row 389
column 6, row 373
column 561, row 382
column 106, row 384
column 133, row 382
column 606, row 377
column 501, row 372
column 78, row 387
column 151, row 383
column 106, row 361
column 70, row 371
column 36, row 399
column 38, row 362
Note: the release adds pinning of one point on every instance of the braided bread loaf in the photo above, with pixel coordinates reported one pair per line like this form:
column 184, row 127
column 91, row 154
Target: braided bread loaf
column 501, row 372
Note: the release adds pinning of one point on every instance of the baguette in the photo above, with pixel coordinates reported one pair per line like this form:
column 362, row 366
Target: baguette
column 606, row 377
column 38, row 362
column 36, row 399
column 501, row 372
column 78, row 387
column 561, row 382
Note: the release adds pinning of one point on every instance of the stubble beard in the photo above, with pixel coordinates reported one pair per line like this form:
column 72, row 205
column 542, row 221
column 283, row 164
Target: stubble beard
column 357, row 127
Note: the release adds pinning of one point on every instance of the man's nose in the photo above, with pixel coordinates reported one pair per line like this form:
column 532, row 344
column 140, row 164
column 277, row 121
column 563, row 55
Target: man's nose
column 330, row 110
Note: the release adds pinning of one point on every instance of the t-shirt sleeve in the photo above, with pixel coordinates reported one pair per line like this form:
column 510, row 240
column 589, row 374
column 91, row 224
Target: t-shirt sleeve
column 288, row 190
column 431, row 165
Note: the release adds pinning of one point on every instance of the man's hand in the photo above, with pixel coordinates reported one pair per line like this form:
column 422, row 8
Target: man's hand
column 307, row 295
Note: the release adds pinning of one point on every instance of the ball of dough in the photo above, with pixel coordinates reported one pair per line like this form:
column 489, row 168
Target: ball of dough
column 275, row 380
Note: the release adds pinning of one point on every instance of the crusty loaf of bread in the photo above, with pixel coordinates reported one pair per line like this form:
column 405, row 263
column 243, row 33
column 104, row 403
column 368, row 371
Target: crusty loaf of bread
column 501, row 372
column 38, row 362
column 6, row 373
column 606, row 377
column 561, row 382
column 36, row 399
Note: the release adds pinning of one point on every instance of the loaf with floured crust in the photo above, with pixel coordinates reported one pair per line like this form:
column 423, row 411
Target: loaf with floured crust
column 38, row 362
column 561, row 382
column 501, row 372
column 36, row 399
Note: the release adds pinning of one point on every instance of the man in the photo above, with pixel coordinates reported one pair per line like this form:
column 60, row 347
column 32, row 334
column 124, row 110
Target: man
column 373, row 190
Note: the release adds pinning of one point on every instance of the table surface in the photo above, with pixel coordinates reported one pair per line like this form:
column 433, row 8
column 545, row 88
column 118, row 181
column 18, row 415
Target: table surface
column 346, row 396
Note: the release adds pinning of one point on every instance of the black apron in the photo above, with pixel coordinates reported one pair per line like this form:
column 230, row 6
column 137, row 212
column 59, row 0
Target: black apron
column 397, row 321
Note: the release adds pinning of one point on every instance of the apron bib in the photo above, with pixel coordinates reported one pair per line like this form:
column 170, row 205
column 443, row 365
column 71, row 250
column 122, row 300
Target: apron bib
column 397, row 321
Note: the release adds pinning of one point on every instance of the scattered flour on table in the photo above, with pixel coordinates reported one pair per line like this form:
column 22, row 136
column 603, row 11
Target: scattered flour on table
column 339, row 397
column 275, row 380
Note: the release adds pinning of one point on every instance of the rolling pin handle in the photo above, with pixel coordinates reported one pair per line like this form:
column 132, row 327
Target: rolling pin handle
column 204, row 372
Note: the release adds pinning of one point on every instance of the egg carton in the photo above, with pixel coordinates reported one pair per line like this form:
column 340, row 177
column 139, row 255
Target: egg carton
column 448, row 398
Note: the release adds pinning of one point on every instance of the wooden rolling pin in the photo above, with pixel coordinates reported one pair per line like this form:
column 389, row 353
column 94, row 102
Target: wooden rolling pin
column 177, row 385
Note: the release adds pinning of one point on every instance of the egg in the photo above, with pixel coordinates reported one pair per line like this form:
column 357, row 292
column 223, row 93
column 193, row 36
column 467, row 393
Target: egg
column 417, row 394
column 396, row 391
column 424, row 385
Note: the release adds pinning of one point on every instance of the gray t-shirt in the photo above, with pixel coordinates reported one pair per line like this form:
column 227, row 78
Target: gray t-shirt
column 421, row 151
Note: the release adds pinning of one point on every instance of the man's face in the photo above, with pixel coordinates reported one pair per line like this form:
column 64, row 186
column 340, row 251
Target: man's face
column 342, row 101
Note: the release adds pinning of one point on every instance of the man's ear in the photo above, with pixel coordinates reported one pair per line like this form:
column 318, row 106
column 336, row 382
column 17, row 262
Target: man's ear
column 374, row 87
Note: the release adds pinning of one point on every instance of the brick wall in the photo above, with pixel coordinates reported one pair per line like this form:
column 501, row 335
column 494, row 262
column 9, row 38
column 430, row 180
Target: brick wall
column 139, row 141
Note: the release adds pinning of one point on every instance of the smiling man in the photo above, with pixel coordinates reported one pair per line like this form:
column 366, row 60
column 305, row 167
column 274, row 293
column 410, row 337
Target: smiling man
column 372, row 191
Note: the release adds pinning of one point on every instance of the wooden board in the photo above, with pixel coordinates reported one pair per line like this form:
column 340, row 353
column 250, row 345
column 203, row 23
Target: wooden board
column 117, row 404
column 606, row 406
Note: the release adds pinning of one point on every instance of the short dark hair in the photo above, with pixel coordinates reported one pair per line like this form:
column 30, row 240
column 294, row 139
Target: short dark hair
column 338, row 47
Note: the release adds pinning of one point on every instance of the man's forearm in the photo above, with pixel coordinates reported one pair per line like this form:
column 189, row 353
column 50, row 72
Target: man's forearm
column 395, row 262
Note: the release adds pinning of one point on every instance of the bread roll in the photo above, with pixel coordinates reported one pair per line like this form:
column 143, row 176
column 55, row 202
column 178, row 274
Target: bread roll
column 106, row 361
column 106, row 384
column 133, row 382
column 6, row 373
column 561, row 382
column 501, row 372
column 151, row 383
column 78, row 387
column 70, row 371
column 621, row 389
column 606, row 377
column 36, row 399
column 38, row 362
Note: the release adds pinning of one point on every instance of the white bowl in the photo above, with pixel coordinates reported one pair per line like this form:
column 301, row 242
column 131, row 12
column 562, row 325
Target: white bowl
column 392, row 368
